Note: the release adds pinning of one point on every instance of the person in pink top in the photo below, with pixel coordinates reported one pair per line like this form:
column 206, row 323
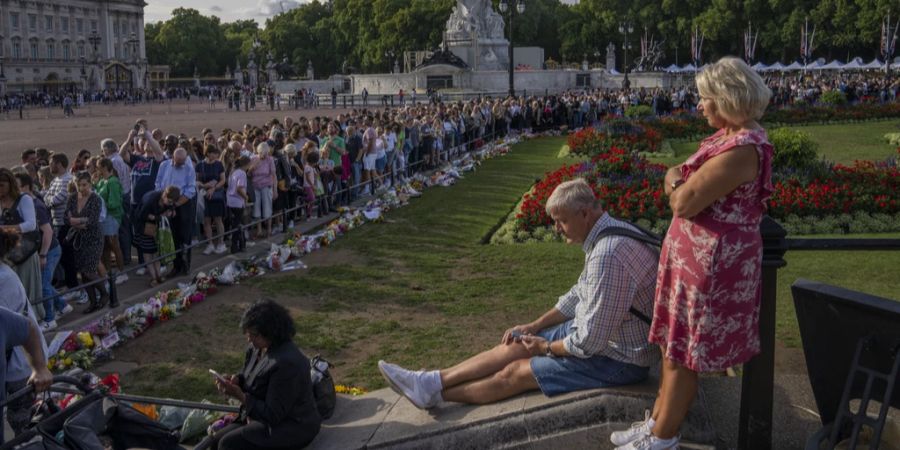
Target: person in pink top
column 708, row 289
column 262, row 179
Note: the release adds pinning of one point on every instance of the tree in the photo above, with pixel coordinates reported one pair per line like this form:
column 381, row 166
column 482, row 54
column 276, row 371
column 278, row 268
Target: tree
column 190, row 41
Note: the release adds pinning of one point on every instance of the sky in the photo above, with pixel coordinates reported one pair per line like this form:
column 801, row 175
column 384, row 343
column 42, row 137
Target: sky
column 227, row 10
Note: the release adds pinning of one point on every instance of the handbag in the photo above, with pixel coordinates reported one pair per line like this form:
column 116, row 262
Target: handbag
column 29, row 242
column 165, row 241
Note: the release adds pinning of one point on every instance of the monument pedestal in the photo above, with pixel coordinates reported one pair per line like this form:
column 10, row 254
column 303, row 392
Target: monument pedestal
column 482, row 54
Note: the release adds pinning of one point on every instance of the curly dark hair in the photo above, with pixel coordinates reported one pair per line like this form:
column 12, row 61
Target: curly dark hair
column 270, row 320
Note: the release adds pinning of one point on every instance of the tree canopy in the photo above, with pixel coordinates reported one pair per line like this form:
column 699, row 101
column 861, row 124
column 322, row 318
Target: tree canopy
column 363, row 33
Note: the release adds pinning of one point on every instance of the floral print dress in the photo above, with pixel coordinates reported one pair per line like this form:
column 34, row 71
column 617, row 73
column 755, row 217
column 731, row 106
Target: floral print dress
column 708, row 288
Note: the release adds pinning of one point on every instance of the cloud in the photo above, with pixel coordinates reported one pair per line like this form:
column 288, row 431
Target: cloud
column 269, row 8
column 216, row 8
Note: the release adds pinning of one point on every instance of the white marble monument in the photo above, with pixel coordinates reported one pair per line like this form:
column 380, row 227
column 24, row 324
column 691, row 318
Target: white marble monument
column 475, row 34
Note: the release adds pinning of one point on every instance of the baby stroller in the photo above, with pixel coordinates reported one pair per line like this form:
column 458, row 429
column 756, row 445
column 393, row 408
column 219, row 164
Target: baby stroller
column 97, row 421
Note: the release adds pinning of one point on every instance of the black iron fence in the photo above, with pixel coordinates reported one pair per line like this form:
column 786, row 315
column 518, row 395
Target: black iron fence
column 757, row 383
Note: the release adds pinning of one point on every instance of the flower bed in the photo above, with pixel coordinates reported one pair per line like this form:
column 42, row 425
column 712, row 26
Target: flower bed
column 834, row 199
column 819, row 114
column 619, row 134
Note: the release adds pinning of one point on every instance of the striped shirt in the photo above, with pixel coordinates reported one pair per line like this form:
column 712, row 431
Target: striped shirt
column 619, row 272
column 56, row 197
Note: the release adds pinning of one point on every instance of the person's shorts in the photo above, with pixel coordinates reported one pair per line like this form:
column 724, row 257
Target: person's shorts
column 559, row 375
column 369, row 162
column 262, row 204
column 381, row 163
column 110, row 226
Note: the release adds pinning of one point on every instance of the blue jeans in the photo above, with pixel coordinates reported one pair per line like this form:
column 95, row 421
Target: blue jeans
column 356, row 166
column 570, row 373
column 47, row 289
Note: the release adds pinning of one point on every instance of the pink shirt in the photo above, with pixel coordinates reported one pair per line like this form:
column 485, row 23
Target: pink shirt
column 263, row 175
column 238, row 179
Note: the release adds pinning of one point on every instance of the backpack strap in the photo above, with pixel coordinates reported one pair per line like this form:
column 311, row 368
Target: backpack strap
column 646, row 236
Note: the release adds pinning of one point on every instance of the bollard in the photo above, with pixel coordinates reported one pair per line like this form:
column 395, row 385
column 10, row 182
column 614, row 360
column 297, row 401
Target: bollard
column 113, row 292
column 757, row 383
column 345, row 101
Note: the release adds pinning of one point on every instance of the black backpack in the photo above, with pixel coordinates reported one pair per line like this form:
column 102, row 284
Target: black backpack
column 323, row 388
column 653, row 240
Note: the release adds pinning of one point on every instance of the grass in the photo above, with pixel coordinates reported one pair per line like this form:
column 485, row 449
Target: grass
column 841, row 143
column 421, row 290
column 872, row 272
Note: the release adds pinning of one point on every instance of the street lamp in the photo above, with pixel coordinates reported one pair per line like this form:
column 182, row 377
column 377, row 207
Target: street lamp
column 390, row 55
column 506, row 8
column 2, row 77
column 94, row 40
column 255, row 48
column 625, row 28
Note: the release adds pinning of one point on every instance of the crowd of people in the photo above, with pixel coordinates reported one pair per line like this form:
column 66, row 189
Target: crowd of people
column 106, row 205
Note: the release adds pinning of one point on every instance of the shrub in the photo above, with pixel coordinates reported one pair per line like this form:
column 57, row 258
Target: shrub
column 638, row 111
column 793, row 149
column 833, row 98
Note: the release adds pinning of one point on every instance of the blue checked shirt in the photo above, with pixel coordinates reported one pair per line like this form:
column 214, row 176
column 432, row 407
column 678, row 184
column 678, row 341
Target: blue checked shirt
column 184, row 177
column 619, row 272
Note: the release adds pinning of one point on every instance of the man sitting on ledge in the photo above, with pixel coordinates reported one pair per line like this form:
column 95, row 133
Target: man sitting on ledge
column 588, row 340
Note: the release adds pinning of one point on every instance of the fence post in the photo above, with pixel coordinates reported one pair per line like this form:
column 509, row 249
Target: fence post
column 113, row 292
column 757, row 382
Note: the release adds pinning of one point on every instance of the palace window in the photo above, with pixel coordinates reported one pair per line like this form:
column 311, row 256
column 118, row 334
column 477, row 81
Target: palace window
column 34, row 50
column 48, row 23
column 81, row 50
column 51, row 50
column 93, row 25
column 64, row 23
column 66, row 49
column 16, row 49
column 14, row 21
column 32, row 23
column 79, row 25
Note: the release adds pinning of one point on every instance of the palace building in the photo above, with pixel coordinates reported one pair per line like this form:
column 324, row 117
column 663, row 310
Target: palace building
column 72, row 45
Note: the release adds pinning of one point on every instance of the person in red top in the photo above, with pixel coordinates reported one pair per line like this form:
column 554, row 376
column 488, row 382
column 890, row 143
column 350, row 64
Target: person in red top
column 708, row 287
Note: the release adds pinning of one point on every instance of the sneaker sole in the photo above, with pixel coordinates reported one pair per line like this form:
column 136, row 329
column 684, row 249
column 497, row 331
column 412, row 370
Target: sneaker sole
column 397, row 389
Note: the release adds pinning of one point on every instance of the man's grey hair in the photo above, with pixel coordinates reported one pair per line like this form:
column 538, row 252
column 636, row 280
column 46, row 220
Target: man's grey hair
column 179, row 152
column 109, row 146
column 572, row 195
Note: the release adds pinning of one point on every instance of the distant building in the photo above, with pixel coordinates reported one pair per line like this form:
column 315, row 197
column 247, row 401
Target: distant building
column 72, row 45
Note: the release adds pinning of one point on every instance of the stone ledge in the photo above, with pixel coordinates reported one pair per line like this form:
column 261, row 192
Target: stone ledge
column 584, row 419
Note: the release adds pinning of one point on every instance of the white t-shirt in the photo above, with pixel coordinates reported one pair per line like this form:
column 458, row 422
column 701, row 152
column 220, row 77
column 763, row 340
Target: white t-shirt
column 379, row 147
column 391, row 141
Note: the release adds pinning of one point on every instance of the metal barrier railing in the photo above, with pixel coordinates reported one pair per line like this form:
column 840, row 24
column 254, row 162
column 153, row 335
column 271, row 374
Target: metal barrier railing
column 757, row 383
column 286, row 214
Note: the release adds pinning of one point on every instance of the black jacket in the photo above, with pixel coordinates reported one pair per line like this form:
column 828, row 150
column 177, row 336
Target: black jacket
column 279, row 394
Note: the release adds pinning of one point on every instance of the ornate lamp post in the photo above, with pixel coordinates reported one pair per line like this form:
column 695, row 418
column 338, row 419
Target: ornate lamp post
column 625, row 28
column 2, row 77
column 253, row 53
column 94, row 40
column 390, row 55
column 507, row 7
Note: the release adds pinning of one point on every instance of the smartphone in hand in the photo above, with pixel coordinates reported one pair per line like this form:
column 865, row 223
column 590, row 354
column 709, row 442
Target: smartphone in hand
column 218, row 376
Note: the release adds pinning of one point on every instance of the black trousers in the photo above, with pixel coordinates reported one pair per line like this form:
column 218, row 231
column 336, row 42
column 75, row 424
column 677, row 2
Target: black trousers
column 67, row 260
column 234, row 437
column 182, row 232
column 236, row 218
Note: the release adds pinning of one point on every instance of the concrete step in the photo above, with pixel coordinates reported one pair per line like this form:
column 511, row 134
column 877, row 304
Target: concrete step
column 382, row 419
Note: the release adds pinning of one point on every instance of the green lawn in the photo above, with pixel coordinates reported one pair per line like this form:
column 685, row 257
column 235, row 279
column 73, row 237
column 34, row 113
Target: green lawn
column 421, row 289
column 842, row 143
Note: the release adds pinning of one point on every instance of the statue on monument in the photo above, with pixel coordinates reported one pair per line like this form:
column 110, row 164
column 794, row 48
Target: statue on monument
column 475, row 15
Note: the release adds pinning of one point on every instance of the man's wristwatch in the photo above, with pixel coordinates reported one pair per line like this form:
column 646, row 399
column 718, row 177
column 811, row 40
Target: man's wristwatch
column 676, row 183
column 549, row 353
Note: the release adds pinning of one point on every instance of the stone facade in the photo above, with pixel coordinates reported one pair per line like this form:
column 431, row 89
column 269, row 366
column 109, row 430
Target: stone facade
column 69, row 45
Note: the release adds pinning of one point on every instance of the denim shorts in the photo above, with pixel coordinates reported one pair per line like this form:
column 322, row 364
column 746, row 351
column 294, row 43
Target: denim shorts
column 381, row 163
column 566, row 374
column 110, row 226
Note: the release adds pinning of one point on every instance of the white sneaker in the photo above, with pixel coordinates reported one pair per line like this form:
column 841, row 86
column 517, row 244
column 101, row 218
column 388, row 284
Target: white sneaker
column 122, row 278
column 194, row 241
column 209, row 249
column 410, row 385
column 66, row 309
column 162, row 269
column 48, row 326
column 291, row 224
column 221, row 249
column 637, row 430
column 142, row 271
column 82, row 298
column 651, row 442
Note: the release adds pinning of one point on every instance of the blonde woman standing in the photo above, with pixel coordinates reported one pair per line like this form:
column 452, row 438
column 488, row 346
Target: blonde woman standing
column 708, row 287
